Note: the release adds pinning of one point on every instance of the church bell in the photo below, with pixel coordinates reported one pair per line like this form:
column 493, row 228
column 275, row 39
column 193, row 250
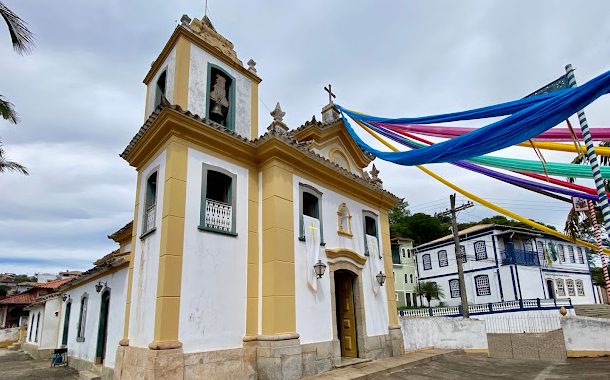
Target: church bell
column 216, row 110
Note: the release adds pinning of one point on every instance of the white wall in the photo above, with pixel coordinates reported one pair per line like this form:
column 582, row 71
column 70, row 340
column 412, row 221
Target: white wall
column 117, row 282
column 170, row 65
column 146, row 263
column 439, row 332
column 214, row 267
column 9, row 334
column 198, row 76
column 586, row 334
column 35, row 317
column 314, row 310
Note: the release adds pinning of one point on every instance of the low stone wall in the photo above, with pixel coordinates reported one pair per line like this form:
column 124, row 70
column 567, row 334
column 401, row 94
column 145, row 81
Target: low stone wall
column 36, row 353
column 586, row 336
column 439, row 332
column 8, row 336
column 530, row 346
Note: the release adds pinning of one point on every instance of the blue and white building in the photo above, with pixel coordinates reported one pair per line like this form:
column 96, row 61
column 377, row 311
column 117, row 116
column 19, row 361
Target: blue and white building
column 503, row 263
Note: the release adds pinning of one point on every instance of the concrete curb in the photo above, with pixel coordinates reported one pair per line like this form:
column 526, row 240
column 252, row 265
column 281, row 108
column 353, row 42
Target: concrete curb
column 381, row 367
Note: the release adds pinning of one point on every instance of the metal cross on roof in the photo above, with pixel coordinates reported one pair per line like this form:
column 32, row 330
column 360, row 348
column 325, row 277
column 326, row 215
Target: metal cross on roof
column 330, row 94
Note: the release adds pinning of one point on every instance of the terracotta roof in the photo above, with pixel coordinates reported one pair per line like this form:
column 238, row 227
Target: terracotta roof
column 106, row 259
column 479, row 228
column 52, row 284
column 113, row 261
column 274, row 133
column 19, row 299
column 125, row 228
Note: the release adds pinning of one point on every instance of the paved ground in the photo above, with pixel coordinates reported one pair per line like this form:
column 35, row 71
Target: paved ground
column 474, row 367
column 18, row 365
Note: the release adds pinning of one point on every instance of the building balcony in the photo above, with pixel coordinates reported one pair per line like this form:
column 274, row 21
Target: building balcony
column 519, row 257
column 218, row 215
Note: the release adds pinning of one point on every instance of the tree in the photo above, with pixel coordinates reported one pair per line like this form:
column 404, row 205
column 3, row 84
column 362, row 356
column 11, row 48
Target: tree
column 501, row 219
column 429, row 290
column 23, row 42
column 597, row 276
column 3, row 290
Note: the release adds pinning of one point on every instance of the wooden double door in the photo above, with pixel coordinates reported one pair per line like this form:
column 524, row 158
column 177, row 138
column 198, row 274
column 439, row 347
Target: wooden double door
column 346, row 314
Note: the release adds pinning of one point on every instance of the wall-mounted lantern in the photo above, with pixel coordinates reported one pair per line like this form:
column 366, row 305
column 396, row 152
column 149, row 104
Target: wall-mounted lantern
column 65, row 297
column 99, row 286
column 381, row 278
column 319, row 268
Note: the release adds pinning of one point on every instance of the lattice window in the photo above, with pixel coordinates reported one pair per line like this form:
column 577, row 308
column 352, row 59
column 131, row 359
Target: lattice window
column 570, row 286
column 561, row 291
column 581, row 257
column 426, row 261
column 571, row 254
column 580, row 288
column 480, row 250
column 463, row 254
column 442, row 258
column 482, row 284
column 454, row 288
column 562, row 254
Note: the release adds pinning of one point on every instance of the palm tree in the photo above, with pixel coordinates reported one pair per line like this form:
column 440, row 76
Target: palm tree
column 429, row 290
column 23, row 41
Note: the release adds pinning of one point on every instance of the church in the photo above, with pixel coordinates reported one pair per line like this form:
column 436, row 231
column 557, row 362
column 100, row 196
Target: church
column 248, row 256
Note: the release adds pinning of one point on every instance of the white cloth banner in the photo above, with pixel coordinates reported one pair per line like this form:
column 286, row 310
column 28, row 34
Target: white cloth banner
column 311, row 229
column 375, row 263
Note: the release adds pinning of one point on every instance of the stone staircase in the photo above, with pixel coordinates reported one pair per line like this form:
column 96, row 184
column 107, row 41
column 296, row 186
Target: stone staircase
column 595, row 311
column 14, row 347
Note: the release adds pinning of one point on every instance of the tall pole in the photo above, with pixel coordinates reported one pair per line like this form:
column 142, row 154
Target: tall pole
column 591, row 156
column 600, row 249
column 458, row 258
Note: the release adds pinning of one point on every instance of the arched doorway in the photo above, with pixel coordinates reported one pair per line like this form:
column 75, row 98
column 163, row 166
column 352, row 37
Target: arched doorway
column 346, row 313
column 64, row 337
column 102, row 330
column 550, row 288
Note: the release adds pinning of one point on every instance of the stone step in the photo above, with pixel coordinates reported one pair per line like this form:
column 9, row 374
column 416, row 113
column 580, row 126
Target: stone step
column 595, row 311
column 88, row 375
column 14, row 347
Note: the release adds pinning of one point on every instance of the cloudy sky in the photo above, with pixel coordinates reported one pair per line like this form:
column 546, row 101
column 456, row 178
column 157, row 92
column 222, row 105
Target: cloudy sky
column 80, row 94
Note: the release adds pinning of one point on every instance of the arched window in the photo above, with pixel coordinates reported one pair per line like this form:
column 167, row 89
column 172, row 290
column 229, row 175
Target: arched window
column 411, row 278
column 64, row 338
column 482, row 284
column 528, row 245
column 454, row 288
column 480, row 251
column 571, row 254
column 370, row 230
column 581, row 258
column 442, row 258
column 562, row 254
column 426, row 261
column 540, row 248
column 82, row 318
column 580, row 288
column 37, row 326
column 403, row 252
column 310, row 206
column 221, row 97
column 345, row 221
column 570, row 287
column 406, row 279
column 561, row 291
column 463, row 253
column 218, row 192
column 31, row 327
column 150, row 204
column 160, row 88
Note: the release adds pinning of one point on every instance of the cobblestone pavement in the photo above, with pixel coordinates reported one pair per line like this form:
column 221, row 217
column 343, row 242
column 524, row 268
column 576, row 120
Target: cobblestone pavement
column 475, row 367
column 18, row 365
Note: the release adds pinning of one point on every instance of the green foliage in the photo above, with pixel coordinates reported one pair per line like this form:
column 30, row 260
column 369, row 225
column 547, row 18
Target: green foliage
column 420, row 227
column 501, row 219
column 597, row 276
column 430, row 291
column 3, row 290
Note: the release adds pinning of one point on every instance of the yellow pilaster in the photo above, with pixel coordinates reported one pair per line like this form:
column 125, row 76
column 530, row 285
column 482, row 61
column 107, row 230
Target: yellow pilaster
column 387, row 263
column 181, row 81
column 253, row 262
column 253, row 110
column 134, row 233
column 278, row 314
column 169, row 279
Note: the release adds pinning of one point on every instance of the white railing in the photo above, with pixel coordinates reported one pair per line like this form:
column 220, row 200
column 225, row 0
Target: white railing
column 150, row 217
column 218, row 215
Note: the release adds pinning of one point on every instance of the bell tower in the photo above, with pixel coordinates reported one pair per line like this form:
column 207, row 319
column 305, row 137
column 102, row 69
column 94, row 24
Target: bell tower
column 198, row 70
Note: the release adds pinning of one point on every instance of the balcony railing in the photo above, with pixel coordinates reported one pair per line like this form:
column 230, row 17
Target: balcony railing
column 218, row 215
column 517, row 256
column 150, row 217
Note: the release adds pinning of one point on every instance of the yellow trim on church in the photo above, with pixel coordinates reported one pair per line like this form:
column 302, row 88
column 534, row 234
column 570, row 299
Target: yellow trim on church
column 387, row 261
column 181, row 73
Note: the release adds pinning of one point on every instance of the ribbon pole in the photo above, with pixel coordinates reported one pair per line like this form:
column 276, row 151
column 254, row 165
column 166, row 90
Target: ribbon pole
column 600, row 247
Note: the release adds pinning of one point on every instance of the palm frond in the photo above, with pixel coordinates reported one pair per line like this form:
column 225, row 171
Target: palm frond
column 21, row 37
column 11, row 166
column 7, row 111
column 572, row 226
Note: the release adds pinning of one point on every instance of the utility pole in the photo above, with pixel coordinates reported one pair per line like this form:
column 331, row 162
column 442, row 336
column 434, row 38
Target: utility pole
column 458, row 257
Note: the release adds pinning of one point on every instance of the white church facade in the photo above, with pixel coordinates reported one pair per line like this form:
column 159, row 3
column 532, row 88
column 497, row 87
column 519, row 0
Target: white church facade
column 248, row 256
column 504, row 263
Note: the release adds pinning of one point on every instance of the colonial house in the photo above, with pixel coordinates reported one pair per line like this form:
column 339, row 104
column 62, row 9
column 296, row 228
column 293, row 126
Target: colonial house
column 504, row 263
column 405, row 272
column 249, row 256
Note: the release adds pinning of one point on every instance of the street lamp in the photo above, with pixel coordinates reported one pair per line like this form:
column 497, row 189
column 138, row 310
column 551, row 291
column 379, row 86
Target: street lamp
column 380, row 278
column 319, row 268
column 99, row 286
column 64, row 297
